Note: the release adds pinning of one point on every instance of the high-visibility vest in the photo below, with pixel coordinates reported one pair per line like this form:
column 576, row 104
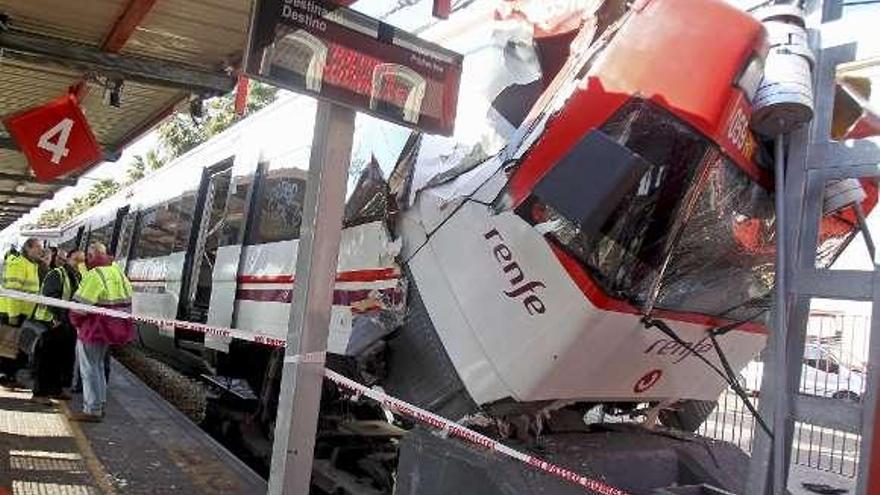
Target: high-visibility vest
column 42, row 312
column 23, row 275
column 104, row 286
column 4, row 301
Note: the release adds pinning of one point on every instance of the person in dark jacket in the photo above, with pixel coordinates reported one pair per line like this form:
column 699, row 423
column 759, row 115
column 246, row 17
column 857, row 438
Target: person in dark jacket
column 52, row 363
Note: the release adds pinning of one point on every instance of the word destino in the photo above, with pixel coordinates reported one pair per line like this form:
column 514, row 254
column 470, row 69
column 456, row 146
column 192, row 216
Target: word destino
column 532, row 302
column 309, row 13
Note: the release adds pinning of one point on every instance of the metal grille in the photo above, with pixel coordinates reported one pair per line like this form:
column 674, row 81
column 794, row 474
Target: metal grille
column 834, row 362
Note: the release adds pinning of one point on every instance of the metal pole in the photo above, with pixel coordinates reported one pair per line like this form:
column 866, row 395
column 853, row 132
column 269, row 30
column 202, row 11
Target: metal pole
column 313, row 286
column 863, row 226
column 869, row 445
column 780, row 409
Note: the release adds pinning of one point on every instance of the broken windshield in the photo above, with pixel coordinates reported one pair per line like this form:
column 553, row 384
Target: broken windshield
column 716, row 259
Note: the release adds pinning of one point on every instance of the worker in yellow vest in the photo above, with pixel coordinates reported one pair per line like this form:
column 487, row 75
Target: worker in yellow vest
column 7, row 258
column 53, row 354
column 21, row 273
column 106, row 286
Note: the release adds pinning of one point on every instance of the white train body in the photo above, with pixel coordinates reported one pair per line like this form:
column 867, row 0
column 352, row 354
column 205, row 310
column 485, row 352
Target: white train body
column 529, row 332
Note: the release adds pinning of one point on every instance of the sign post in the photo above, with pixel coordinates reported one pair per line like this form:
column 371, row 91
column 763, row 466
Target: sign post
column 352, row 63
column 314, row 282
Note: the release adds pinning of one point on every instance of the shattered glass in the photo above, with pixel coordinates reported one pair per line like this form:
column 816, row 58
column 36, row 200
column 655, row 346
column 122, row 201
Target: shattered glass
column 695, row 235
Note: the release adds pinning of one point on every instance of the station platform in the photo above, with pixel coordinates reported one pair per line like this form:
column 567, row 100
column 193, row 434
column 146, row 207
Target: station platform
column 143, row 446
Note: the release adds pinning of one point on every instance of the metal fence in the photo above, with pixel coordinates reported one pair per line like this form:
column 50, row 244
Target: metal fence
column 834, row 368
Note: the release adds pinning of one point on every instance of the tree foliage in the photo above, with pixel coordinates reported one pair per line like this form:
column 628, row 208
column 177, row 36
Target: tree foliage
column 179, row 134
column 184, row 132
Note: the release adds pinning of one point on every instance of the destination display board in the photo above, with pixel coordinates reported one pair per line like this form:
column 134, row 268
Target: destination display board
column 331, row 52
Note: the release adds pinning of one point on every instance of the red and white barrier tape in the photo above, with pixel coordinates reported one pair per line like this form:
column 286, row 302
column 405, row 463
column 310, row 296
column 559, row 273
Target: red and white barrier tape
column 249, row 336
column 401, row 407
column 456, row 430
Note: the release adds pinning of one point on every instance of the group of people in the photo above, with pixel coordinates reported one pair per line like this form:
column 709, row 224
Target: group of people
column 69, row 347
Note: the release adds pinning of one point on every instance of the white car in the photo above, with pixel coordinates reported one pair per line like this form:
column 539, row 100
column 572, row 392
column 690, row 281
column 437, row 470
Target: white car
column 822, row 374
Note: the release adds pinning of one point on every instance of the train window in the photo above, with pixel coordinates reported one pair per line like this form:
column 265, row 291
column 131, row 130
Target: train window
column 279, row 207
column 183, row 210
column 102, row 234
column 68, row 245
column 165, row 229
column 154, row 238
column 234, row 217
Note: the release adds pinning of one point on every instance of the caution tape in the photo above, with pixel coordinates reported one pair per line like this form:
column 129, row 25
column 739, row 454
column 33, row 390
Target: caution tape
column 454, row 429
column 401, row 407
column 256, row 337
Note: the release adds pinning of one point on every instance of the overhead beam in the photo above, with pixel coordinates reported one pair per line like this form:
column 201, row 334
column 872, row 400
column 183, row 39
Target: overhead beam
column 30, row 178
column 35, row 49
column 25, row 194
column 131, row 17
column 15, row 204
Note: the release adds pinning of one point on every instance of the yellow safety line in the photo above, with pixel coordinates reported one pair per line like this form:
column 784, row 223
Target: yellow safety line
column 95, row 467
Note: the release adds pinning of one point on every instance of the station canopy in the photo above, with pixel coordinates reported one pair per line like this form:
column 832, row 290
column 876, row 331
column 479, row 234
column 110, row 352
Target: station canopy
column 130, row 62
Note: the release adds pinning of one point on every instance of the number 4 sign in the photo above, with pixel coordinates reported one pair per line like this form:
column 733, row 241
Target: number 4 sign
column 55, row 138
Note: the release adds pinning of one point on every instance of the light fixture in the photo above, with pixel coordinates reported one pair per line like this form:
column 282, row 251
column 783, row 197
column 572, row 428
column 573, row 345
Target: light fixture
column 114, row 86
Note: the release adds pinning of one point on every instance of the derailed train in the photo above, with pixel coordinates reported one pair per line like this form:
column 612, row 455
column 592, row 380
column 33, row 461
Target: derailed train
column 506, row 285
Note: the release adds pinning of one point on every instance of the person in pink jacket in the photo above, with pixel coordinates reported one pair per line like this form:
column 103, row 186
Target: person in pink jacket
column 104, row 285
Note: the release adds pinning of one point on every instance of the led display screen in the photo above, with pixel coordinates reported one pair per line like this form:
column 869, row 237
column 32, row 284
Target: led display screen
column 335, row 53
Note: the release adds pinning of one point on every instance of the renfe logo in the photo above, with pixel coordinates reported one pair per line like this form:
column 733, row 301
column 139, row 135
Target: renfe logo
column 504, row 256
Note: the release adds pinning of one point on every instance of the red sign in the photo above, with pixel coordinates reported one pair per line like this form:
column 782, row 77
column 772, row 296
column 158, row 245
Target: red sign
column 646, row 382
column 55, row 138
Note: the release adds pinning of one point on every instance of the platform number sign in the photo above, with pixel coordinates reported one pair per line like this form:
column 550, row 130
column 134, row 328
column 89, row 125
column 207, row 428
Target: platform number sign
column 59, row 148
column 55, row 138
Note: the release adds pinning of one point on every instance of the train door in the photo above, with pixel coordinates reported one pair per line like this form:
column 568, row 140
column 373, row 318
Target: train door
column 201, row 258
column 227, row 245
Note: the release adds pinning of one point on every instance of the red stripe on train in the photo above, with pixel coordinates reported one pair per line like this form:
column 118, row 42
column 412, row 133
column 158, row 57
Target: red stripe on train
column 341, row 297
column 601, row 300
column 372, row 275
